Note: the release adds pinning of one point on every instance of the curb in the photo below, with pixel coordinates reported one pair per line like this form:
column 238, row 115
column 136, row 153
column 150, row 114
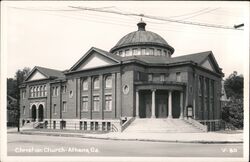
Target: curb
column 125, row 139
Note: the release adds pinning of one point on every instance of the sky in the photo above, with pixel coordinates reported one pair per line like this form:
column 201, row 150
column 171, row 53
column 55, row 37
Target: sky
column 37, row 34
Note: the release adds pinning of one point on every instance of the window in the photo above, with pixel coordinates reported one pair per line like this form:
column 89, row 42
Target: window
column 143, row 51
column 162, row 77
column 64, row 108
column 34, row 92
column 23, row 110
column 147, row 52
column 41, row 90
column 53, row 91
column 108, row 103
column 108, row 82
column 121, row 53
column 96, row 103
column 151, row 51
column 150, row 77
column 64, row 89
column 54, row 109
column 128, row 53
column 57, row 91
column 23, row 94
column 135, row 52
column 38, row 91
column 31, row 92
column 45, row 90
column 199, row 86
column 158, row 52
column 165, row 53
column 96, row 83
column 178, row 77
column 71, row 94
column 85, row 103
column 85, row 85
column 138, row 75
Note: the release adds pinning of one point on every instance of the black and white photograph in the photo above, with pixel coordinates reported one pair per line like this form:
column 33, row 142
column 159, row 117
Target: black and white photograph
column 124, row 81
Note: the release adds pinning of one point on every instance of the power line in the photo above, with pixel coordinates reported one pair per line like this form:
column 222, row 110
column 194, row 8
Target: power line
column 104, row 10
column 200, row 13
column 158, row 18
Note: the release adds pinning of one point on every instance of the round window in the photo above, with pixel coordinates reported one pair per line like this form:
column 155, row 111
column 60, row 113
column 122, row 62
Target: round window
column 125, row 89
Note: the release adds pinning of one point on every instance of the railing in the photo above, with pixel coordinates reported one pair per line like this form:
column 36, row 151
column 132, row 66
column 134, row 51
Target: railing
column 127, row 123
column 114, row 128
column 215, row 125
column 227, row 126
column 197, row 124
column 38, row 125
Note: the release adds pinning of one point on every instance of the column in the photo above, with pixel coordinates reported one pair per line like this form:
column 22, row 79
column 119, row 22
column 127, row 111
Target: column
column 170, row 104
column 37, row 113
column 137, row 103
column 181, row 105
column 153, row 104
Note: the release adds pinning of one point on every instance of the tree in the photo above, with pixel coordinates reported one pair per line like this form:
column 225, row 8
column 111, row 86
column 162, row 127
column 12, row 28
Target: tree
column 233, row 111
column 14, row 91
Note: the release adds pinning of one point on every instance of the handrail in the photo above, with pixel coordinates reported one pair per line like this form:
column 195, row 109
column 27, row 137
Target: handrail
column 113, row 128
column 127, row 123
column 197, row 124
column 227, row 125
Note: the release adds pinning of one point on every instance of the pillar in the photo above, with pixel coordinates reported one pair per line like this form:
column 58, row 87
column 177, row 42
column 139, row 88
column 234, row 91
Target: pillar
column 170, row 104
column 137, row 104
column 181, row 105
column 37, row 113
column 153, row 104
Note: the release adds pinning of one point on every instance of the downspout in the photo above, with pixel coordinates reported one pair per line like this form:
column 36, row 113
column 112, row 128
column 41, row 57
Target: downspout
column 121, row 88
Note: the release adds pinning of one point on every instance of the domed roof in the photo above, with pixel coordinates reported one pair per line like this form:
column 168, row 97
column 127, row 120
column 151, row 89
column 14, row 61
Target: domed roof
column 142, row 37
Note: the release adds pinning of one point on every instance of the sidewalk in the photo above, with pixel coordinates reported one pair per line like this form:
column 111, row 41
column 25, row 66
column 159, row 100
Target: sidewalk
column 209, row 137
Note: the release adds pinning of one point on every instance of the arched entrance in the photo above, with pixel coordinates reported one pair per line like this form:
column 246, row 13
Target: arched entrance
column 33, row 113
column 40, row 112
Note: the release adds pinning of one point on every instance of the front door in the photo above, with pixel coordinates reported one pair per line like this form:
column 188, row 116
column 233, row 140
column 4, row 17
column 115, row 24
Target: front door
column 148, row 107
column 161, row 106
column 33, row 113
column 40, row 112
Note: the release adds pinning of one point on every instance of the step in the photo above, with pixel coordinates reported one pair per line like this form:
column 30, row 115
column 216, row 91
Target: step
column 160, row 126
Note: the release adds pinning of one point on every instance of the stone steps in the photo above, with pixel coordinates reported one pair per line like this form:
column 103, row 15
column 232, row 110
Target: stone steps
column 160, row 126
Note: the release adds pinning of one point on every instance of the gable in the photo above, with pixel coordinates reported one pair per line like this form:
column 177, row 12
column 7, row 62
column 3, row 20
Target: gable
column 95, row 60
column 37, row 76
column 207, row 64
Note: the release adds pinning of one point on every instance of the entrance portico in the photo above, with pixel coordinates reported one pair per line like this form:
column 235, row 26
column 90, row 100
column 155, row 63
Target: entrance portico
column 37, row 111
column 159, row 102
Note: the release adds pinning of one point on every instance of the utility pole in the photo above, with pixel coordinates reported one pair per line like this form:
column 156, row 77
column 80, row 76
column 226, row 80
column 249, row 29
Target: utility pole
column 238, row 26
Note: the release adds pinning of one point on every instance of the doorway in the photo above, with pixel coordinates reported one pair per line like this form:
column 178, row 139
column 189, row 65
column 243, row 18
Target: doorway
column 40, row 112
column 33, row 113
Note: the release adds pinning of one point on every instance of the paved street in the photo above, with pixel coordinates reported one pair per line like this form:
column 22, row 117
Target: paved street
column 37, row 145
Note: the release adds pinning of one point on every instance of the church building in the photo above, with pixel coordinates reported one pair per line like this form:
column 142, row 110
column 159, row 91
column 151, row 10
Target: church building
column 139, row 78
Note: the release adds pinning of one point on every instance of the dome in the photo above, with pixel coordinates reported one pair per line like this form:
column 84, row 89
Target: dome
column 142, row 38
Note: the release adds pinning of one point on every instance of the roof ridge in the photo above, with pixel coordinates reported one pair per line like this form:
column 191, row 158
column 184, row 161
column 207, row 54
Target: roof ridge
column 198, row 53
column 48, row 68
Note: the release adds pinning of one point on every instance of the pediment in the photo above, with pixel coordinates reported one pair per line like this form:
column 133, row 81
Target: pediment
column 94, row 58
column 94, row 61
column 208, row 65
column 36, row 75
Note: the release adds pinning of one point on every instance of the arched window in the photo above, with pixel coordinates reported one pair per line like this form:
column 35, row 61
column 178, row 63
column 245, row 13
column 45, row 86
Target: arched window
column 108, row 82
column 38, row 91
column 85, row 85
column 96, row 83
column 41, row 90
column 34, row 91
column 44, row 90
column 31, row 92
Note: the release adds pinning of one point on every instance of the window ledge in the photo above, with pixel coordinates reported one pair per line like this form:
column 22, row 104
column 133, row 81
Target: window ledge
column 36, row 97
column 107, row 110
